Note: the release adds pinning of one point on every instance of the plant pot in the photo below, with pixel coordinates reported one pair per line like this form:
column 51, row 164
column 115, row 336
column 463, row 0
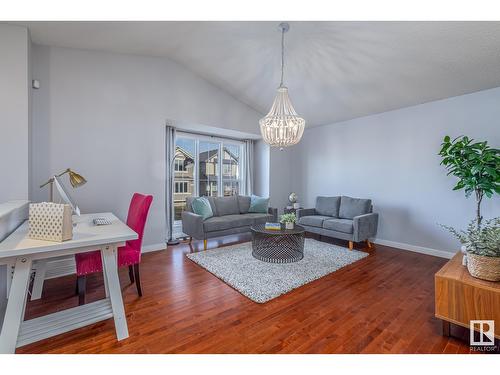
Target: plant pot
column 482, row 267
column 289, row 225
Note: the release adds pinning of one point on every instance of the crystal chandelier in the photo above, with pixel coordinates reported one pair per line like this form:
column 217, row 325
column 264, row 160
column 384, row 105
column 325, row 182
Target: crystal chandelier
column 282, row 126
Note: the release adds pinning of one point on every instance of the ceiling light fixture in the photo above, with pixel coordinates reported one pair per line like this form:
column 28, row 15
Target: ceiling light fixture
column 282, row 126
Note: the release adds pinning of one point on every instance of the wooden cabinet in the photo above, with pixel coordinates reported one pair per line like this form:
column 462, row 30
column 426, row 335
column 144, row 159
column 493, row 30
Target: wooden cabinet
column 461, row 298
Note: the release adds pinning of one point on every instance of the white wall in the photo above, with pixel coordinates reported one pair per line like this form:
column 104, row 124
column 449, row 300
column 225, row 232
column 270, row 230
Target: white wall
column 14, row 112
column 104, row 114
column 281, row 170
column 392, row 159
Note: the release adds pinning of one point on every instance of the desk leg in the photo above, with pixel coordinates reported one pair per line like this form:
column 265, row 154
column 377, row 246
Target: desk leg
column 15, row 306
column 41, row 268
column 4, row 273
column 10, row 274
column 106, row 289
column 115, row 293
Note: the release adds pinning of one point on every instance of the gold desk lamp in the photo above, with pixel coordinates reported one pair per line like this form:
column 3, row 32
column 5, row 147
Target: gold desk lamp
column 75, row 179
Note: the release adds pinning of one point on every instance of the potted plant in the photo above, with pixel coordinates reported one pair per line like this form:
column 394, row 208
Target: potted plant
column 289, row 220
column 482, row 246
column 477, row 167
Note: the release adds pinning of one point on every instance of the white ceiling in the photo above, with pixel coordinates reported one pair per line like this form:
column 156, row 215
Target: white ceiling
column 334, row 70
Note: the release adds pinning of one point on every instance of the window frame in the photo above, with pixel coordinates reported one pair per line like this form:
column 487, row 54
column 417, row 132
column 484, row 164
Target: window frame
column 220, row 141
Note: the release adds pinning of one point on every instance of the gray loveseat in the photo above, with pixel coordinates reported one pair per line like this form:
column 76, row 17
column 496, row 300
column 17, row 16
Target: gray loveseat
column 342, row 217
column 231, row 216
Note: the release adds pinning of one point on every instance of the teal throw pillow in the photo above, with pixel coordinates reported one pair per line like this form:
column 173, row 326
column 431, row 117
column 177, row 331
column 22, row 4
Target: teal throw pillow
column 258, row 204
column 201, row 206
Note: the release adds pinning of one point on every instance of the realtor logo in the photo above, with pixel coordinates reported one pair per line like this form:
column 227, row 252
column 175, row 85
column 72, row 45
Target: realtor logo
column 486, row 329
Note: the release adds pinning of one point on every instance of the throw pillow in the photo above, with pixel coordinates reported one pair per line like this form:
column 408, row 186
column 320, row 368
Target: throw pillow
column 328, row 206
column 244, row 203
column 226, row 205
column 201, row 206
column 352, row 207
column 258, row 205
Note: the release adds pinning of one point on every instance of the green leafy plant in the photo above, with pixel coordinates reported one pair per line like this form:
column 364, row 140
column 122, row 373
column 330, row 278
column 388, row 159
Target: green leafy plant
column 484, row 240
column 288, row 218
column 476, row 165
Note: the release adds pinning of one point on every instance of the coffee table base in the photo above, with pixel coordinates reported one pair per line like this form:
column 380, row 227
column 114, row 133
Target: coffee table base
column 278, row 248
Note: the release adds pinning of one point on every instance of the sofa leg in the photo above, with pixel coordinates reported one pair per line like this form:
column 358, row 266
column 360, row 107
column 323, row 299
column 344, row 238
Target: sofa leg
column 369, row 244
column 351, row 245
column 320, row 238
column 204, row 244
column 190, row 240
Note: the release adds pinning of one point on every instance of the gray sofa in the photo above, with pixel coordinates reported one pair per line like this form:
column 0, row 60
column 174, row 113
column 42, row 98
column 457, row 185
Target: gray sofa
column 342, row 217
column 231, row 216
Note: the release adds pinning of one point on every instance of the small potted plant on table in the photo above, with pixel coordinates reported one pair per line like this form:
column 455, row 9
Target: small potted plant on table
column 482, row 246
column 289, row 220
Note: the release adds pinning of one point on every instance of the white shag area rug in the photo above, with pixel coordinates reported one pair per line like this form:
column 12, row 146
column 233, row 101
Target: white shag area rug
column 261, row 281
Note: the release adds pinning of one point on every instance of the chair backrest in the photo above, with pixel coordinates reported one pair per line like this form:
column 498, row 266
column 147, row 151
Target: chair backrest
column 137, row 215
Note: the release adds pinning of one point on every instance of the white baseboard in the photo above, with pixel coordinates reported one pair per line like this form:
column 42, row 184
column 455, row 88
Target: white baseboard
column 154, row 247
column 415, row 249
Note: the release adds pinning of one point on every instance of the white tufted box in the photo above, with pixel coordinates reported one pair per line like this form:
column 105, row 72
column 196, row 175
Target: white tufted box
column 50, row 221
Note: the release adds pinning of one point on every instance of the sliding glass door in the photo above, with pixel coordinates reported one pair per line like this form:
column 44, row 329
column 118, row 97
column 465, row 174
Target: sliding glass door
column 231, row 169
column 206, row 166
column 185, row 151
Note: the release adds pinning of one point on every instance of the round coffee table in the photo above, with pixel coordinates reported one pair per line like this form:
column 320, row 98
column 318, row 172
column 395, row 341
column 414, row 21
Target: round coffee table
column 278, row 246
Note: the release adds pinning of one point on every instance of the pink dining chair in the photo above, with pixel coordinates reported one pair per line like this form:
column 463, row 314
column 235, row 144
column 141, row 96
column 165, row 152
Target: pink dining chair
column 128, row 255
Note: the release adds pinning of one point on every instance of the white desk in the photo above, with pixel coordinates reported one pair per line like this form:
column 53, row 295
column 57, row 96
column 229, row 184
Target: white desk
column 18, row 252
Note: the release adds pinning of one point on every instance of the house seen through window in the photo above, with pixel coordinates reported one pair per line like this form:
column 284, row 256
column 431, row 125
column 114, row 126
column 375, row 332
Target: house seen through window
column 206, row 166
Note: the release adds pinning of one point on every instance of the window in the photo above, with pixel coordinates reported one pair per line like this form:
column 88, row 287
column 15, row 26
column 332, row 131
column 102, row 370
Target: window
column 181, row 187
column 227, row 169
column 206, row 166
column 179, row 165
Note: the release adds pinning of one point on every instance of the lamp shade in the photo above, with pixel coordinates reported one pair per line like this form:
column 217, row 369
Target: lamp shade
column 75, row 179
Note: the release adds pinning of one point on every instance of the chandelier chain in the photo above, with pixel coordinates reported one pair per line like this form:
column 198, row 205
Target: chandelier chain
column 282, row 55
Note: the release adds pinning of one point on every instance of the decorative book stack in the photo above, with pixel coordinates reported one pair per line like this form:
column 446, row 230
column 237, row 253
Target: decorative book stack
column 273, row 226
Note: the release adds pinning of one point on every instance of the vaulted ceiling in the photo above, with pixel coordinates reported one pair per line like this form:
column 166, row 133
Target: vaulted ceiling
column 334, row 70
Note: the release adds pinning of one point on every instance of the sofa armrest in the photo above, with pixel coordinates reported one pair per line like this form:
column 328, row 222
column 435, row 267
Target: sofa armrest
column 365, row 226
column 274, row 212
column 192, row 225
column 305, row 212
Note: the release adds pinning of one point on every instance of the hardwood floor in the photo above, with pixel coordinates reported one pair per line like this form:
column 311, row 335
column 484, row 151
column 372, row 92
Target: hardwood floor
column 383, row 303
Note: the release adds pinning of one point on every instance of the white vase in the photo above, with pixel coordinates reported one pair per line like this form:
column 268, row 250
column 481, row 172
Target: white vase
column 288, row 225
